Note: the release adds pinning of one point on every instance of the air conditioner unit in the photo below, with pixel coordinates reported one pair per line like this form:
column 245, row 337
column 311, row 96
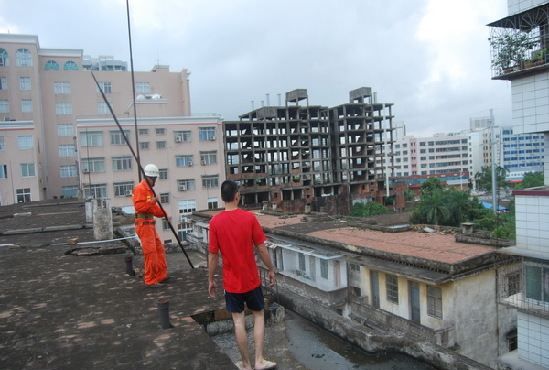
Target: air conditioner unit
column 178, row 139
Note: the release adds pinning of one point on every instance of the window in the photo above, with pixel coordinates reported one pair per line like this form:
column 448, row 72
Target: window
column 67, row 171
column 121, row 163
column 93, row 165
column 537, row 282
column 91, row 138
column 102, row 108
column 3, row 58
column 25, row 84
column 23, row 58
column 186, row 206
column 213, row 203
column 2, row 143
column 4, row 106
column 143, row 131
column 23, row 195
column 165, row 226
column 185, row 185
column 183, row 160
column 26, row 106
column 98, row 191
column 206, row 133
column 164, row 197
column 160, row 131
column 117, row 138
column 62, row 87
column 434, row 302
column 123, row 189
column 144, row 145
column 208, row 158
column 27, row 170
column 161, row 145
column 65, row 130
column 391, row 286
column 162, row 173
column 70, row 66
column 3, row 83
column 182, row 136
column 66, row 150
column 70, row 191
column 324, row 269
column 142, row 87
column 3, row 171
column 51, row 65
column 63, row 108
column 301, row 258
column 512, row 284
column 209, row 182
column 24, row 142
column 106, row 86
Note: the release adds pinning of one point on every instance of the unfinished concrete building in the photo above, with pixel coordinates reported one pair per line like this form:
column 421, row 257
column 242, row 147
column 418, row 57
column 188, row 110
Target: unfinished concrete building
column 300, row 156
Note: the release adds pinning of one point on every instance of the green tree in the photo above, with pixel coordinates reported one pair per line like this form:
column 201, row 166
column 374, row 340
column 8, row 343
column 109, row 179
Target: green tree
column 367, row 209
column 431, row 185
column 530, row 180
column 483, row 178
column 436, row 210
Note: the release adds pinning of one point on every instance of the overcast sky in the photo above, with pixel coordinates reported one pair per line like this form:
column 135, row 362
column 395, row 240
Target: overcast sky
column 430, row 58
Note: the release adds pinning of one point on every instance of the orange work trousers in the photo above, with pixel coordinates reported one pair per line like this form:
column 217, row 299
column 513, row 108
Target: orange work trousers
column 156, row 268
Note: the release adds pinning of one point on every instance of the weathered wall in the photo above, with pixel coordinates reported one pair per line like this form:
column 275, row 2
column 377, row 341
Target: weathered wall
column 475, row 317
column 332, row 298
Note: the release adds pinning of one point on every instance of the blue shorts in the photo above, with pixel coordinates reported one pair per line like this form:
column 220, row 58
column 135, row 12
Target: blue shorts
column 253, row 299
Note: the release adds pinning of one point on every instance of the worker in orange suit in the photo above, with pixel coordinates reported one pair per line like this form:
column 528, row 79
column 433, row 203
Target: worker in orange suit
column 146, row 209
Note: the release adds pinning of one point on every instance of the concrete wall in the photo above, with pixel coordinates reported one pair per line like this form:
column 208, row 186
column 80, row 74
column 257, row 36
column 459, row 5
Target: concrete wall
column 371, row 340
column 476, row 321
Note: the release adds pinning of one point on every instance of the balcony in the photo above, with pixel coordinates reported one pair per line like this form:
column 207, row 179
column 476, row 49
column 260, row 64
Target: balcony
column 520, row 44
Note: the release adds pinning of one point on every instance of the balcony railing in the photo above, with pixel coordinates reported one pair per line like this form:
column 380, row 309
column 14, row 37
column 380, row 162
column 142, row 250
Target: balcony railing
column 520, row 44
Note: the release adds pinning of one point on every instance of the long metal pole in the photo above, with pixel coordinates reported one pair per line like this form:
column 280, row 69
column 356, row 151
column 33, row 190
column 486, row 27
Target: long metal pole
column 494, row 179
column 138, row 158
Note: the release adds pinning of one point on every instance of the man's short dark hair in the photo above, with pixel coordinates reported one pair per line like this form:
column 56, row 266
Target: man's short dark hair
column 229, row 189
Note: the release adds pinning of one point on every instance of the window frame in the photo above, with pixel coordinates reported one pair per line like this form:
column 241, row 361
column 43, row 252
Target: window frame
column 434, row 302
column 391, row 288
column 123, row 188
column 27, row 169
column 122, row 163
column 23, row 58
column 25, row 142
column 66, row 151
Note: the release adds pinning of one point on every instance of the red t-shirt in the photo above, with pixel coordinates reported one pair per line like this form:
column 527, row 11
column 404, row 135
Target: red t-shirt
column 236, row 233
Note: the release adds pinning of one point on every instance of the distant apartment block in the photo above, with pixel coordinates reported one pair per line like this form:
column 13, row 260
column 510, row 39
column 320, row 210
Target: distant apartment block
column 520, row 54
column 42, row 94
column 521, row 153
column 297, row 155
column 187, row 151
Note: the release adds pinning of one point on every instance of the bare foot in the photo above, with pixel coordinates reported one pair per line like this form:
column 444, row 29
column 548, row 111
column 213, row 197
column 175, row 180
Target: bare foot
column 241, row 366
column 265, row 365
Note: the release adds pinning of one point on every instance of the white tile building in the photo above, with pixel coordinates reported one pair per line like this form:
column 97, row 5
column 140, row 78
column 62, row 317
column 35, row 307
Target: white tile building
column 520, row 54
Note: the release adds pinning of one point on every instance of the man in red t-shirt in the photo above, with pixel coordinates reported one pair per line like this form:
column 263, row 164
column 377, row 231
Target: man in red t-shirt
column 235, row 233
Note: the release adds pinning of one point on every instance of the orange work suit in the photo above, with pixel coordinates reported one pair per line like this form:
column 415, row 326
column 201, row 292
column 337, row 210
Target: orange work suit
column 156, row 269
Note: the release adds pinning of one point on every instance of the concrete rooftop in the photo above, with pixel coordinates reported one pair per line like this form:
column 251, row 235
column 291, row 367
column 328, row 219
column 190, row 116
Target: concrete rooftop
column 62, row 311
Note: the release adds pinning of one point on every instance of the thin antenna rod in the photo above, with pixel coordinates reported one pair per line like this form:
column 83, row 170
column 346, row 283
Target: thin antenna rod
column 138, row 158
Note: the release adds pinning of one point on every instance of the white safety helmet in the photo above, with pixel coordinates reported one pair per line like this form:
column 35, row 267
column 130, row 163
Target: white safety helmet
column 151, row 170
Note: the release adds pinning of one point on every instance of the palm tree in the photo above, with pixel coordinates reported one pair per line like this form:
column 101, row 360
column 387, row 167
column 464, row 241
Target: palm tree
column 435, row 209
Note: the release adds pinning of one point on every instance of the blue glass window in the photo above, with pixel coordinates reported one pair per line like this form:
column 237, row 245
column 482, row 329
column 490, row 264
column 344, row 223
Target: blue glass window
column 51, row 65
column 3, row 58
column 70, row 66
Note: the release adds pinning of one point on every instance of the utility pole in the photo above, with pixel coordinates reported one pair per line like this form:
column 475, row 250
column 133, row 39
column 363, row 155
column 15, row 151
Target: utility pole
column 493, row 143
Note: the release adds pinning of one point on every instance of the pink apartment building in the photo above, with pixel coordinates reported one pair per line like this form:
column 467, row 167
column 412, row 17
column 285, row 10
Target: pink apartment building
column 58, row 139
